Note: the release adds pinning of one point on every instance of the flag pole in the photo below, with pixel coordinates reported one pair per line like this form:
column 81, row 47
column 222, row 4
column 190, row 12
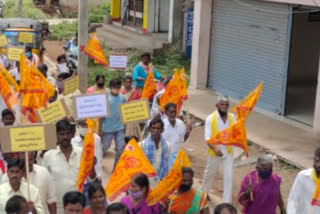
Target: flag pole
column 187, row 112
column 250, row 182
column 27, row 175
column 27, row 163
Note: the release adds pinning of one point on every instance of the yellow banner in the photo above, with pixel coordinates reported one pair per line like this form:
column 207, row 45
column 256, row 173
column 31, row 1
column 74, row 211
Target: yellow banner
column 135, row 111
column 53, row 112
column 246, row 105
column 171, row 182
column 27, row 139
column 3, row 40
column 71, row 85
column 132, row 161
column 14, row 53
column 25, row 37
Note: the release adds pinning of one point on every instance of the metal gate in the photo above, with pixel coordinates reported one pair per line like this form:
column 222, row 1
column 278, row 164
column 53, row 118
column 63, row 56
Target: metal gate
column 250, row 43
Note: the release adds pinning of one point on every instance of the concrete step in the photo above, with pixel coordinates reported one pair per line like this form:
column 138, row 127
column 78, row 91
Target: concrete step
column 119, row 37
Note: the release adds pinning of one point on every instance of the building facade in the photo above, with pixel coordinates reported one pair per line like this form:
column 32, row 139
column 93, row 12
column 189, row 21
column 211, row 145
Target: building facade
column 238, row 43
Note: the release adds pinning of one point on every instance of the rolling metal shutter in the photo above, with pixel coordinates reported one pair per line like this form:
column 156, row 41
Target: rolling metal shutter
column 250, row 42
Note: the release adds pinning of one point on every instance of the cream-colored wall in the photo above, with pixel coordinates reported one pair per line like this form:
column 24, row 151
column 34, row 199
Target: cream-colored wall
column 201, row 43
column 304, row 53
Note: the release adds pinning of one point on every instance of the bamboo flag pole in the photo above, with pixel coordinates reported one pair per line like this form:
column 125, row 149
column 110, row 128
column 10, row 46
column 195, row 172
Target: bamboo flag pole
column 187, row 112
column 27, row 175
column 250, row 182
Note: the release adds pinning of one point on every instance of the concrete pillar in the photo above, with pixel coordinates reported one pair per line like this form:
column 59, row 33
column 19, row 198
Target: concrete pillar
column 151, row 26
column 316, row 119
column 201, row 43
column 176, row 18
column 83, row 40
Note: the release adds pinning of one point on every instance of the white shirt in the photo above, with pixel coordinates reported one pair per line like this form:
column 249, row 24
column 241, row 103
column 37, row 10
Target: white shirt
column 77, row 141
column 64, row 173
column 6, row 192
column 40, row 178
column 174, row 135
column 221, row 125
column 300, row 196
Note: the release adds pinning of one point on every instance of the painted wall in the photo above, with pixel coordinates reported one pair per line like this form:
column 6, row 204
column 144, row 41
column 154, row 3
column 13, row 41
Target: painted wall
column 305, row 45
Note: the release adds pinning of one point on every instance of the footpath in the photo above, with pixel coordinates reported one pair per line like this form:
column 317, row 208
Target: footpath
column 290, row 141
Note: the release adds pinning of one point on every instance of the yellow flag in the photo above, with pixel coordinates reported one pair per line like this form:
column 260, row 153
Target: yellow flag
column 34, row 88
column 9, row 78
column 183, row 85
column 150, row 87
column 235, row 135
column 9, row 95
column 95, row 51
column 171, row 182
column 173, row 91
column 132, row 161
column 87, row 158
column 245, row 106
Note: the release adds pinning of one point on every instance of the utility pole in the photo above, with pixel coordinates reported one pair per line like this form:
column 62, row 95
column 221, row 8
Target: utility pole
column 20, row 3
column 83, row 40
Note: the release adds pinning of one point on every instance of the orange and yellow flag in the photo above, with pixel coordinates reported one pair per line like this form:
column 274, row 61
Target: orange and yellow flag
column 9, row 89
column 132, row 161
column 246, row 105
column 95, row 51
column 34, row 88
column 184, row 84
column 171, row 182
column 150, row 87
column 173, row 92
column 316, row 194
column 87, row 158
column 235, row 135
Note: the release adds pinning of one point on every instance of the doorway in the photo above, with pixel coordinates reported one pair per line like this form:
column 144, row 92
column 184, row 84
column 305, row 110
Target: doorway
column 303, row 66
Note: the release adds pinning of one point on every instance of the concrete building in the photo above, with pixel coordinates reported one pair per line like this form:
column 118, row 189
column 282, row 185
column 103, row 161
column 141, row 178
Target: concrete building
column 238, row 43
column 151, row 16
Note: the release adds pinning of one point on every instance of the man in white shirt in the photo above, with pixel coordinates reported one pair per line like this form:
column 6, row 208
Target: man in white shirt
column 40, row 177
column 16, row 186
column 216, row 122
column 63, row 163
column 78, row 141
column 175, row 131
column 300, row 196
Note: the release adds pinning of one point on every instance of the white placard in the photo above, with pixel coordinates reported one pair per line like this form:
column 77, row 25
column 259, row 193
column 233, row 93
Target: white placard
column 91, row 106
column 118, row 61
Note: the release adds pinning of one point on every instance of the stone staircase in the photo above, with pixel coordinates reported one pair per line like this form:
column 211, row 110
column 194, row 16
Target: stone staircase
column 118, row 37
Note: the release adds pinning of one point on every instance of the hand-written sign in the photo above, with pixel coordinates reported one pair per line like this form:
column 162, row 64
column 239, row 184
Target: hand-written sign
column 118, row 61
column 3, row 40
column 135, row 111
column 71, row 84
column 25, row 37
column 14, row 53
column 28, row 138
column 53, row 112
column 91, row 106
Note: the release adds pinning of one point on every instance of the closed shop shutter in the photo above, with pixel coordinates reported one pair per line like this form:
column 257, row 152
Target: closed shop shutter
column 250, row 43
